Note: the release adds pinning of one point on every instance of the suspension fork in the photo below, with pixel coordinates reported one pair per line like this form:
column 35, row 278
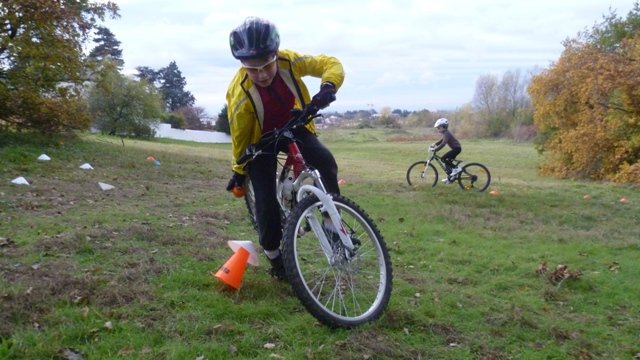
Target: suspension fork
column 299, row 165
column 328, row 207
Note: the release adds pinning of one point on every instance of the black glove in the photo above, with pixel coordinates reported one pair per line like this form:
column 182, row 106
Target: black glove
column 325, row 96
column 236, row 180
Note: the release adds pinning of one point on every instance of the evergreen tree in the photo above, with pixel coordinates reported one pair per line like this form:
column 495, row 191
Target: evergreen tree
column 108, row 47
column 222, row 123
column 148, row 74
column 172, row 88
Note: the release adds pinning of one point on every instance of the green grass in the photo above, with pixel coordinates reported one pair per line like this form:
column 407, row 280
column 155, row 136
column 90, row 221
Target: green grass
column 126, row 273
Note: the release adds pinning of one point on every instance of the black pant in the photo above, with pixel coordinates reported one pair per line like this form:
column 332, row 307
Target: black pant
column 262, row 172
column 448, row 158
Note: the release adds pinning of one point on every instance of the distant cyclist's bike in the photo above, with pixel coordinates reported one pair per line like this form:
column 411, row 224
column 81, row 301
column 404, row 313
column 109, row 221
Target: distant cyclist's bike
column 334, row 255
column 474, row 176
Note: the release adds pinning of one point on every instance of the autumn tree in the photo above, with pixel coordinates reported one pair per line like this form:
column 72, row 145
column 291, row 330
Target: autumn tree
column 41, row 62
column 387, row 119
column 192, row 116
column 587, row 104
column 422, row 118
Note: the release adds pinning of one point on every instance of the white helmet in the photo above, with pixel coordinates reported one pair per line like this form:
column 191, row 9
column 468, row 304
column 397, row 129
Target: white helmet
column 441, row 122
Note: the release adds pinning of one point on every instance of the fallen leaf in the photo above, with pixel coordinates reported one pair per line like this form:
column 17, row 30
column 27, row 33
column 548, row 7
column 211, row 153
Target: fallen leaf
column 542, row 268
column 562, row 273
column 6, row 242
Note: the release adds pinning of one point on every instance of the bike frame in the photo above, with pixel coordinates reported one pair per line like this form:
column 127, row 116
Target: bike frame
column 438, row 160
column 302, row 172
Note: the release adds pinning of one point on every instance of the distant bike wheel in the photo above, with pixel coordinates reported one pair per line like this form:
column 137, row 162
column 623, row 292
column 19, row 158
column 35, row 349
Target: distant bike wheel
column 349, row 287
column 474, row 177
column 419, row 175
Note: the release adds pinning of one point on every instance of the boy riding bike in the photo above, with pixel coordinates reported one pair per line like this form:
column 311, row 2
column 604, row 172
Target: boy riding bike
column 442, row 125
column 260, row 98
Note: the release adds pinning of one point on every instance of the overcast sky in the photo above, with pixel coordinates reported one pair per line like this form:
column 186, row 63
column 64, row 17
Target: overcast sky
column 413, row 55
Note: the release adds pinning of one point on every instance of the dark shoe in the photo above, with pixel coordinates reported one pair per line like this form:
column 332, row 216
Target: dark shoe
column 277, row 269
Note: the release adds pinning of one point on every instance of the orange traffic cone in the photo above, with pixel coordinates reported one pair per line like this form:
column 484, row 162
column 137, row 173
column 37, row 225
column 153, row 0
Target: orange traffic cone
column 231, row 272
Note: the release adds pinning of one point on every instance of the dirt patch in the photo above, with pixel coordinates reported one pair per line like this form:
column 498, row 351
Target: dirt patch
column 35, row 288
column 373, row 345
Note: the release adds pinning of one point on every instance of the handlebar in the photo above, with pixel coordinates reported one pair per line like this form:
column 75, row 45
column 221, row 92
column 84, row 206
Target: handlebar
column 298, row 118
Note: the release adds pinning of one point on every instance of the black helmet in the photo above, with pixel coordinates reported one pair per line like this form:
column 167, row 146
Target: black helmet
column 254, row 38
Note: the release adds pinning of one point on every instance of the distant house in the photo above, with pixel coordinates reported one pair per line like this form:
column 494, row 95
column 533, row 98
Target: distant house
column 208, row 120
column 166, row 131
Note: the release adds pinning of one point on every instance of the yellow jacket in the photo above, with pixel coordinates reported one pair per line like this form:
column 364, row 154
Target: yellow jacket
column 244, row 106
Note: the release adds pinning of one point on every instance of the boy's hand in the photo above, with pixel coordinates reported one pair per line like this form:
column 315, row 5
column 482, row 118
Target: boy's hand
column 237, row 180
column 325, row 96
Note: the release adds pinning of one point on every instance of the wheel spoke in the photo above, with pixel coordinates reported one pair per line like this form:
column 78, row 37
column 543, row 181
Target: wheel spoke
column 357, row 287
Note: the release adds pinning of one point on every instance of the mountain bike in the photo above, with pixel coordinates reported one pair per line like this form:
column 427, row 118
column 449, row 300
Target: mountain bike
column 334, row 256
column 474, row 176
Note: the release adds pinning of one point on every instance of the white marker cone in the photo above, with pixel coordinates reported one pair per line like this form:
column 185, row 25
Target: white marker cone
column 20, row 181
column 105, row 187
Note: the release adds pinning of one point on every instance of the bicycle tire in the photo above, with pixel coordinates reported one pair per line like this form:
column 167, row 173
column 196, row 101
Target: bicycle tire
column 250, row 202
column 346, row 294
column 419, row 175
column 474, row 176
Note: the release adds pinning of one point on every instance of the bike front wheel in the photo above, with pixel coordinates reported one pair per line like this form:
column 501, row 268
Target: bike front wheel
column 474, row 177
column 421, row 175
column 353, row 287
column 250, row 202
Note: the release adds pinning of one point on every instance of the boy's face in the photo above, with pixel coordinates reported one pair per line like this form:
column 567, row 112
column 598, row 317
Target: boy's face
column 261, row 71
column 440, row 129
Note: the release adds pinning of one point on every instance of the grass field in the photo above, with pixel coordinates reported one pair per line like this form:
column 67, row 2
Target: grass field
column 125, row 273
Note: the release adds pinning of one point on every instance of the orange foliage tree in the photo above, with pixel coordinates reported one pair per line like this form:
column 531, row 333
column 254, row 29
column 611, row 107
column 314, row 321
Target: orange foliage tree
column 587, row 104
column 42, row 66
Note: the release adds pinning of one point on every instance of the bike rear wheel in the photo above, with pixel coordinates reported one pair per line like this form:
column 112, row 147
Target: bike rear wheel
column 351, row 291
column 474, row 177
column 421, row 175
